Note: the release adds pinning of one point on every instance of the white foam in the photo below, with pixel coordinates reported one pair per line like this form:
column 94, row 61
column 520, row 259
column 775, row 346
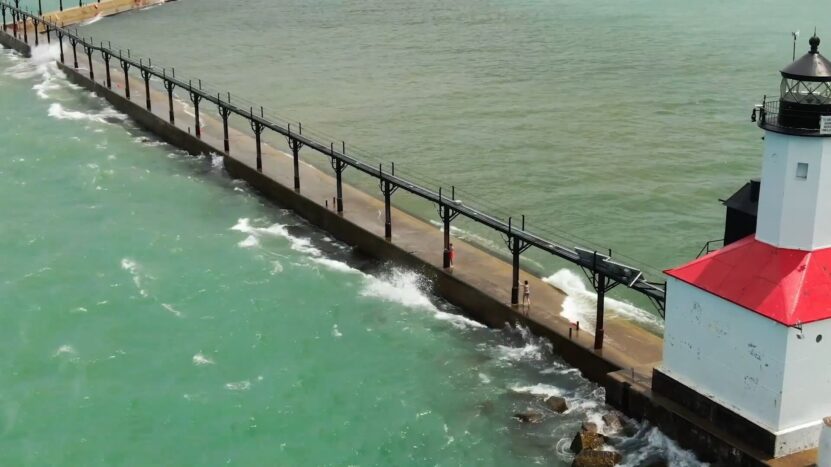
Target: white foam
column 301, row 245
column 92, row 20
column 250, row 241
column 659, row 444
column 65, row 350
column 336, row 332
column 276, row 267
column 335, row 265
column 400, row 286
column 529, row 352
column 56, row 110
column 170, row 308
column 580, row 303
column 133, row 268
column 217, row 161
column 538, row 389
column 238, row 386
column 459, row 321
column 200, row 360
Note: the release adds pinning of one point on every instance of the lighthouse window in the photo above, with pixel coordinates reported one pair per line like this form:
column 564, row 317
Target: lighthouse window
column 802, row 170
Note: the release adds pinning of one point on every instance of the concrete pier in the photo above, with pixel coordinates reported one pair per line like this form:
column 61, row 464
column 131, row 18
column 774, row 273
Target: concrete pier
column 76, row 15
column 480, row 283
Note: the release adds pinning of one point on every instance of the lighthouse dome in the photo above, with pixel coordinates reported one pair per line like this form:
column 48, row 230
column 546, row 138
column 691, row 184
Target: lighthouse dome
column 812, row 66
column 805, row 93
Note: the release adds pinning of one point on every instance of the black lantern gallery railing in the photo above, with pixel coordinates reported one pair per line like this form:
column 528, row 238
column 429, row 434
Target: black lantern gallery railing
column 791, row 118
column 604, row 272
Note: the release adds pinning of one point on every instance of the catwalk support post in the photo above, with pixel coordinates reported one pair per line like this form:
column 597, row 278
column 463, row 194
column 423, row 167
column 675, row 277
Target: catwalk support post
column 145, row 75
column 517, row 246
column 125, row 65
column 106, row 56
column 60, row 42
column 387, row 188
column 257, row 128
column 225, row 113
column 295, row 145
column 195, row 98
column 89, row 50
column 338, row 166
column 169, row 85
column 447, row 215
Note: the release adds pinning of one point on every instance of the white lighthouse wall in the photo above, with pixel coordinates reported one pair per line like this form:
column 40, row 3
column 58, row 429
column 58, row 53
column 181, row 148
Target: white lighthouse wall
column 806, row 395
column 794, row 211
column 725, row 352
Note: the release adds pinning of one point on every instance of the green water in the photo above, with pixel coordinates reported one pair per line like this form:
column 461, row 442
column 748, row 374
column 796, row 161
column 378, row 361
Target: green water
column 139, row 327
column 155, row 312
column 608, row 124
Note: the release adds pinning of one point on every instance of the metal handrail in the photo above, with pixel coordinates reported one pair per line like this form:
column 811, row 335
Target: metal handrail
column 655, row 291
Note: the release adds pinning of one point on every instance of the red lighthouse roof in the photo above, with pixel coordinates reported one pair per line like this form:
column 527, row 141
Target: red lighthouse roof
column 788, row 286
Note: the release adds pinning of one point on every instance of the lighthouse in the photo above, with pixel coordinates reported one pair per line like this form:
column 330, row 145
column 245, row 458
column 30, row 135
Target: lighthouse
column 747, row 343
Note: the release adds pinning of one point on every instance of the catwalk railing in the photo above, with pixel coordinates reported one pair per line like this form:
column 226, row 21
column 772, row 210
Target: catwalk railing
column 602, row 270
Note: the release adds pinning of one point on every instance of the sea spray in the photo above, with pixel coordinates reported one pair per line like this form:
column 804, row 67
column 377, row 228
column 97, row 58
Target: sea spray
column 580, row 303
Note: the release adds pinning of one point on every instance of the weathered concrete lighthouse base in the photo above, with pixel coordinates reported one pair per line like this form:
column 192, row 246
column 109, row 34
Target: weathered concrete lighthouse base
column 717, row 434
column 773, row 444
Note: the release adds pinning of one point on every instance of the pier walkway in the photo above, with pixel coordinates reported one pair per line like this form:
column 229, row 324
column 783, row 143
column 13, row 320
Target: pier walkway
column 103, row 8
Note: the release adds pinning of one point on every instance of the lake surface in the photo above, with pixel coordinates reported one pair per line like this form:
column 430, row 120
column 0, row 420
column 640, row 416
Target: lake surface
column 157, row 312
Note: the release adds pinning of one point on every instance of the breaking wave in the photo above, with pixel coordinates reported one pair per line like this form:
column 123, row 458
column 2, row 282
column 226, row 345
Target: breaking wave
column 398, row 285
column 580, row 303
column 133, row 268
column 106, row 115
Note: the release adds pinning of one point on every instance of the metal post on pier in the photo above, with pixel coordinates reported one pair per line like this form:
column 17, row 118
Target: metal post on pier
column 602, row 283
column 74, row 42
column 257, row 128
column 169, row 85
column 125, row 65
column 89, row 49
column 447, row 215
column 60, row 40
column 14, row 23
column 338, row 166
column 48, row 33
column 60, row 5
column 225, row 112
column 40, row 8
column 106, row 56
column 145, row 74
column 195, row 97
column 601, row 305
column 3, row 9
column 387, row 188
column 295, row 146
column 517, row 247
column 35, row 27
column 25, row 29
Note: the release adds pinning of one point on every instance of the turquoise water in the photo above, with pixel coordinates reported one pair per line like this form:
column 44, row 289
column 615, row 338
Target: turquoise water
column 140, row 326
column 156, row 312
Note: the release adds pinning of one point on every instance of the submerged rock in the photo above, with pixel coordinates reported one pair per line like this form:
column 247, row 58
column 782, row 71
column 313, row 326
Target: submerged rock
column 597, row 459
column 587, row 439
column 556, row 404
column 613, row 422
column 528, row 416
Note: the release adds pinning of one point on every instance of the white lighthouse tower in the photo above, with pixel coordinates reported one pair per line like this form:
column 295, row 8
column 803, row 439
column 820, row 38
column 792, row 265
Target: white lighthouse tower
column 747, row 344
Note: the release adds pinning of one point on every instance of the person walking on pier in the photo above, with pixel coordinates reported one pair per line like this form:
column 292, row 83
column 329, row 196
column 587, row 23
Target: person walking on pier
column 526, row 296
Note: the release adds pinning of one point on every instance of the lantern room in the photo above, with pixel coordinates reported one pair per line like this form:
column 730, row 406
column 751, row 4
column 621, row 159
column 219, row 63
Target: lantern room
column 805, row 92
